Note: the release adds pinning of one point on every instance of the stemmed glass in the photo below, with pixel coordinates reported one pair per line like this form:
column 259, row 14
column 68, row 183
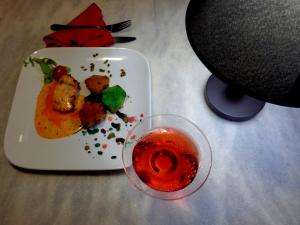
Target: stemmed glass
column 167, row 156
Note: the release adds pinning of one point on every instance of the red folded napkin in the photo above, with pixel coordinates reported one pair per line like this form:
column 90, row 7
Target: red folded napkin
column 85, row 37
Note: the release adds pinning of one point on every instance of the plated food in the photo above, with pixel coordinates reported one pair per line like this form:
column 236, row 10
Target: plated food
column 96, row 148
column 62, row 111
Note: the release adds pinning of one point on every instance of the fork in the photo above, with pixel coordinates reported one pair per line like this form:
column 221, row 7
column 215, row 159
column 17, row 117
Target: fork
column 112, row 27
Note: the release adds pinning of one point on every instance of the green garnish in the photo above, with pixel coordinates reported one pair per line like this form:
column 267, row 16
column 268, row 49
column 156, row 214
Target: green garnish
column 122, row 73
column 68, row 69
column 25, row 63
column 47, row 65
column 92, row 67
column 47, row 71
column 113, row 98
column 31, row 61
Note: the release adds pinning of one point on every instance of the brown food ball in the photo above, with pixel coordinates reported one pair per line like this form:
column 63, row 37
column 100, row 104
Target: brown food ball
column 92, row 113
column 97, row 83
column 65, row 94
column 69, row 80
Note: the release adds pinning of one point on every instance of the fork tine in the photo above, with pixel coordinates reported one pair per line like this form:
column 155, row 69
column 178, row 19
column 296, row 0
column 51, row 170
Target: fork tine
column 121, row 23
column 128, row 24
column 123, row 26
column 120, row 26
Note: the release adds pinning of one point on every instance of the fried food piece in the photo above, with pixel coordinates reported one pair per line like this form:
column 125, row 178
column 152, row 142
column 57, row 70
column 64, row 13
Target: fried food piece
column 92, row 113
column 65, row 94
column 69, row 80
column 97, row 83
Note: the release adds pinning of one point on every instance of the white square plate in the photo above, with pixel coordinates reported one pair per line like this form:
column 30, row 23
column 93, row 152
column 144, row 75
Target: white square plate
column 25, row 148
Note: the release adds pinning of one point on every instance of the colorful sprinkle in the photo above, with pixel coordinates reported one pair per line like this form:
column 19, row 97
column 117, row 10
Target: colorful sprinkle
column 110, row 118
column 122, row 116
column 97, row 145
column 103, row 131
column 92, row 131
column 132, row 119
column 111, row 135
column 117, row 126
column 120, row 140
column 99, row 152
column 113, row 157
column 133, row 137
column 104, row 146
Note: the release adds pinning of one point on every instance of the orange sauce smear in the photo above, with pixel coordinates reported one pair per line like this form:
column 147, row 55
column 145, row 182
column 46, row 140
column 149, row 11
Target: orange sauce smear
column 50, row 123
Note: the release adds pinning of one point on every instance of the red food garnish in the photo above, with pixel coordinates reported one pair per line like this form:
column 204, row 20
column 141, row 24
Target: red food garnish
column 59, row 71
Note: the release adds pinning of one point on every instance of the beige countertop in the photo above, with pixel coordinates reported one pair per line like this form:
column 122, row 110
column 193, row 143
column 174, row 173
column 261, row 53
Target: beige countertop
column 255, row 177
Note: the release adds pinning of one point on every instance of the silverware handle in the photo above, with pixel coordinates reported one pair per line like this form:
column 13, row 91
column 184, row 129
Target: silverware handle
column 57, row 27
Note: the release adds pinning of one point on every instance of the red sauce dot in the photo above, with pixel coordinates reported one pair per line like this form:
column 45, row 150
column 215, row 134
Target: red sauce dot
column 131, row 119
column 133, row 137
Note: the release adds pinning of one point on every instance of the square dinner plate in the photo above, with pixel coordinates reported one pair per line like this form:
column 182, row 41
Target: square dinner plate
column 25, row 148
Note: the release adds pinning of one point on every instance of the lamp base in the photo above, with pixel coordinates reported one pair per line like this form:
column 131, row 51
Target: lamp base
column 230, row 103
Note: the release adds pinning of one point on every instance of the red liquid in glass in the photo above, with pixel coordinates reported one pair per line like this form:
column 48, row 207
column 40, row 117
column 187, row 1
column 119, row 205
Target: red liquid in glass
column 166, row 159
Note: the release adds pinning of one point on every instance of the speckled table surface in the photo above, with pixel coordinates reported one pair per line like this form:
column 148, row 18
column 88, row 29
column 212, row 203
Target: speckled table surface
column 255, row 176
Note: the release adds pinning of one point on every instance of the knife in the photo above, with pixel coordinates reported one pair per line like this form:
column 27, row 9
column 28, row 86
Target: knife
column 120, row 39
